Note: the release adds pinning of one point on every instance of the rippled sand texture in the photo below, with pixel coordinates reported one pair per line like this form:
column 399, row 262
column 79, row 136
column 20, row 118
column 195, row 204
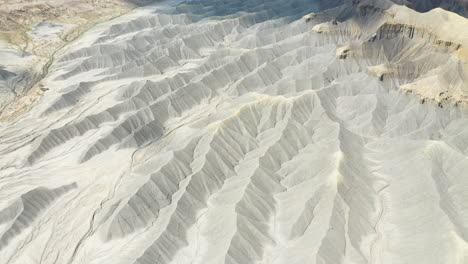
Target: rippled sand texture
column 246, row 132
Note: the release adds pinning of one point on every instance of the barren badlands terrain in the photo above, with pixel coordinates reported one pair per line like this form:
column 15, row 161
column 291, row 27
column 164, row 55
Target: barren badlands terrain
column 237, row 132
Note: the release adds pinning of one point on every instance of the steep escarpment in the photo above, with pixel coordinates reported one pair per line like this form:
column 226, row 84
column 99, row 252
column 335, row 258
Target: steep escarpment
column 245, row 132
column 424, row 54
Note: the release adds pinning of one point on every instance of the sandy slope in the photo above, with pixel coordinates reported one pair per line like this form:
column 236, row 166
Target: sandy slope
column 246, row 132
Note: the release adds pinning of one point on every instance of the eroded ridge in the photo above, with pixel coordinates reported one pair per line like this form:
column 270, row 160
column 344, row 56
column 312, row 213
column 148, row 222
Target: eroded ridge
column 20, row 215
column 247, row 132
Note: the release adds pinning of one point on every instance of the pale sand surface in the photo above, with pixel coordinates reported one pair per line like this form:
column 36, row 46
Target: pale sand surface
column 242, row 132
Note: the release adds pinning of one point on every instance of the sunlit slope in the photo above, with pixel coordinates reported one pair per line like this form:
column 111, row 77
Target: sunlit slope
column 245, row 132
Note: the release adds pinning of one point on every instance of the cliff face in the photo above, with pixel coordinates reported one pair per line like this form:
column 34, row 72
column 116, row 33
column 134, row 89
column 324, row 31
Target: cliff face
column 424, row 54
column 211, row 131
